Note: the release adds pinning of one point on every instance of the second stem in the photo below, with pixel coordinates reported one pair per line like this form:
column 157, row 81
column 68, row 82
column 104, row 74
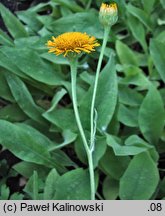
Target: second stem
column 92, row 135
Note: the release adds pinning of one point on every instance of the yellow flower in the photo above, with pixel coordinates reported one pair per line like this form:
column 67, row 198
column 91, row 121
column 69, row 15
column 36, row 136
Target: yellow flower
column 72, row 42
column 108, row 14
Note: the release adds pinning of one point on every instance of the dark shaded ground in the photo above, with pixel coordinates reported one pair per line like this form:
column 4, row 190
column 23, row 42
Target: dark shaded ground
column 17, row 5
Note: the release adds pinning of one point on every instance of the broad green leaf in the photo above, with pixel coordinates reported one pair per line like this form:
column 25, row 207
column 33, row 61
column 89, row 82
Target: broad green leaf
column 14, row 26
column 6, row 63
column 24, row 144
column 41, row 6
column 29, row 62
column 63, row 118
column 17, row 196
column 71, row 4
column 110, row 188
column 12, row 113
column 73, row 185
column 132, row 146
column 50, row 185
column 148, row 5
column 113, row 165
column 4, row 192
column 140, row 180
column 57, row 97
column 26, row 169
column 55, row 59
column 161, row 37
column 31, row 19
column 135, row 76
column 62, row 160
column 24, row 98
column 157, row 52
column 141, row 15
column 138, row 32
column 163, row 3
column 41, row 138
column 152, row 116
column 128, row 115
column 83, row 22
column 4, row 88
column 33, row 186
column 5, row 39
column 126, row 55
column 106, row 97
column 68, row 137
column 129, row 96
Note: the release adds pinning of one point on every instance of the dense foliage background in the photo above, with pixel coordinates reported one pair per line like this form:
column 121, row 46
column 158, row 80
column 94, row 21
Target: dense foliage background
column 42, row 156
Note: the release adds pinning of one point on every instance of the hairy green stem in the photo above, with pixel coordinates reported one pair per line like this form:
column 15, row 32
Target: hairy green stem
column 73, row 66
column 92, row 122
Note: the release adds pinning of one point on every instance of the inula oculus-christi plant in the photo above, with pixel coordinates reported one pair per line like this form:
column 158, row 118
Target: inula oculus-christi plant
column 71, row 45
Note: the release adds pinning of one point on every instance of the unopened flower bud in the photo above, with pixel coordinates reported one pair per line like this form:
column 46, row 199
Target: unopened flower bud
column 108, row 14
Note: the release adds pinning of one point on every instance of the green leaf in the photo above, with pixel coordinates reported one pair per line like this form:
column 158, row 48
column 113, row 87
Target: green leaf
column 106, row 97
column 68, row 137
column 41, row 138
column 24, row 144
column 128, row 115
column 133, row 145
column 135, row 76
column 30, row 63
column 57, row 97
column 141, row 15
column 4, row 89
column 83, row 22
column 50, row 185
column 24, row 98
column 16, row 196
column 148, row 5
column 73, row 185
column 14, row 26
column 31, row 19
column 157, row 53
column 114, row 165
column 110, row 188
column 129, row 96
column 12, row 113
column 70, row 4
column 33, row 186
column 152, row 116
column 140, row 180
column 138, row 32
column 163, row 3
column 63, row 118
column 62, row 160
column 6, row 63
column 5, row 39
column 26, row 169
column 4, row 192
column 126, row 55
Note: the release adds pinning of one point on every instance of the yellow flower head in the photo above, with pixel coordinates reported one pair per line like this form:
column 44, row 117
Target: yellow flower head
column 72, row 42
column 108, row 14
